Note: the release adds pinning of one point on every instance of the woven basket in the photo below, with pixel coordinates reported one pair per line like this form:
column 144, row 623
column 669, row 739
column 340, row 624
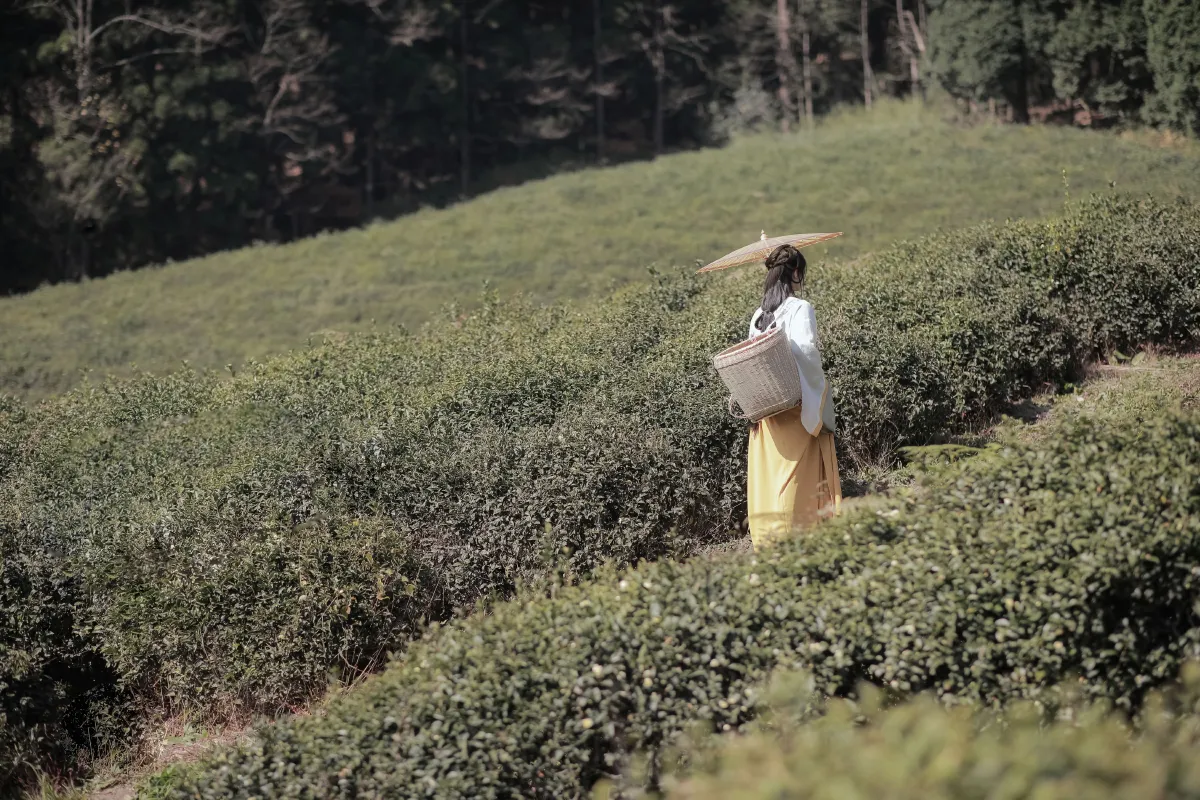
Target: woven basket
column 761, row 375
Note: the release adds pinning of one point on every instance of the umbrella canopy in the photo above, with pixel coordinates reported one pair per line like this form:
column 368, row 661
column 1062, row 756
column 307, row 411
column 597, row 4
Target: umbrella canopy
column 763, row 247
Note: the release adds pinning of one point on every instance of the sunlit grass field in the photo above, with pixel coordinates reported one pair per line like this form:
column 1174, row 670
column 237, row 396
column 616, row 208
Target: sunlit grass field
column 894, row 173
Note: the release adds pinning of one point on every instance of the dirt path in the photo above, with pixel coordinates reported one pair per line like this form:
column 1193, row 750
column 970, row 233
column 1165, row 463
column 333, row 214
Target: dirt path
column 177, row 745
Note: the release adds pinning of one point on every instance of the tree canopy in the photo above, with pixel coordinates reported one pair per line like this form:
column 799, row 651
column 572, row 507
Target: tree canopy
column 138, row 131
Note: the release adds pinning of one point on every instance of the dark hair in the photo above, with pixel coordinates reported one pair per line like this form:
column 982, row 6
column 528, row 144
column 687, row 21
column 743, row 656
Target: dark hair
column 785, row 266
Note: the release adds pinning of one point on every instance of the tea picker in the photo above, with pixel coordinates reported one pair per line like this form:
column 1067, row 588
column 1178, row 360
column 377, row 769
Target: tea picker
column 760, row 373
column 776, row 381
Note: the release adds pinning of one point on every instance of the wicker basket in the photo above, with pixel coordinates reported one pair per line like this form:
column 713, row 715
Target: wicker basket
column 761, row 375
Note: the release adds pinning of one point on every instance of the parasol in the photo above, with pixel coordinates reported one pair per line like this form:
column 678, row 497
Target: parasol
column 763, row 247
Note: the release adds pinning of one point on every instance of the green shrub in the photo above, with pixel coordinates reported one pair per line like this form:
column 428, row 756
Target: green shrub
column 56, row 693
column 1080, row 557
column 919, row 750
column 929, row 336
column 230, row 542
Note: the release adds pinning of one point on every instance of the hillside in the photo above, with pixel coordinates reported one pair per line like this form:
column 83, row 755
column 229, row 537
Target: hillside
column 220, row 545
column 896, row 173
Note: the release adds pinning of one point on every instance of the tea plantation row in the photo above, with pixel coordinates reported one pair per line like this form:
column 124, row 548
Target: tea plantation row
column 918, row 751
column 1078, row 557
column 192, row 542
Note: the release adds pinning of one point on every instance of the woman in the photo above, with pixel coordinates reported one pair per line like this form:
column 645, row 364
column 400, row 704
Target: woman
column 792, row 473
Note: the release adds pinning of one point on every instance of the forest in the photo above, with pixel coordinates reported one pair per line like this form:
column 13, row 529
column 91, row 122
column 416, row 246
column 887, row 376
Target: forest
column 136, row 132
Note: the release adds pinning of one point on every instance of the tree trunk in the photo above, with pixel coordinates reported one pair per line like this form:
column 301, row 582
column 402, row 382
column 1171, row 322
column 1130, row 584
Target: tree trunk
column 909, row 45
column 83, row 267
column 865, row 40
column 77, row 253
column 598, row 78
column 659, row 100
column 1020, row 102
column 660, row 67
column 370, row 188
column 83, row 49
column 917, row 30
column 783, row 55
column 1020, row 95
column 806, row 64
column 464, row 137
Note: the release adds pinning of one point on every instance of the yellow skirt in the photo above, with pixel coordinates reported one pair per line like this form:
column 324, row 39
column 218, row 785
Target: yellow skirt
column 791, row 477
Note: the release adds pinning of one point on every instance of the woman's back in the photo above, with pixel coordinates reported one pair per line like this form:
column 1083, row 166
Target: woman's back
column 787, row 309
column 798, row 320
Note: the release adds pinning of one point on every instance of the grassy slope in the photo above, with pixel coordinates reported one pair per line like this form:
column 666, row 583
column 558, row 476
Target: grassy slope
column 896, row 173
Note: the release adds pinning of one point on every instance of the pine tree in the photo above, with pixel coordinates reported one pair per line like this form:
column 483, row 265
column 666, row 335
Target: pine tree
column 1097, row 53
column 984, row 50
column 1173, row 46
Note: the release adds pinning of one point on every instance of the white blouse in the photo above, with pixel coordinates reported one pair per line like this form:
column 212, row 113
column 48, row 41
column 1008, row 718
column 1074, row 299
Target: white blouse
column 799, row 323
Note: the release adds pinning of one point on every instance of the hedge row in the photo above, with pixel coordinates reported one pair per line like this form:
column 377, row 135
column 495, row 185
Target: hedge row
column 224, row 543
column 1078, row 557
column 919, row 751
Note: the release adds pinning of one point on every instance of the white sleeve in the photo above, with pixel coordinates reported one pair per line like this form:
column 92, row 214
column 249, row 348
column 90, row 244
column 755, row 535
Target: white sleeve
column 802, row 333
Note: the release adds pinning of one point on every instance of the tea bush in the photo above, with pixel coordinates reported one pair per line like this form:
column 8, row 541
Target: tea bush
column 942, row 330
column 224, row 544
column 51, row 680
column 1080, row 557
column 919, row 750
